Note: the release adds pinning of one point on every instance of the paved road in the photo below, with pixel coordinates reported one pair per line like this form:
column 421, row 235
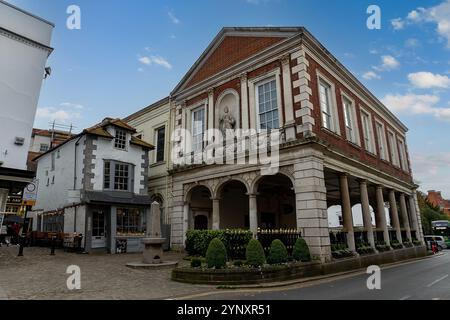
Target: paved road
column 424, row 279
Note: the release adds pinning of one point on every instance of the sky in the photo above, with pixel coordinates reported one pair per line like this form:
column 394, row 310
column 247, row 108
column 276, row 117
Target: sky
column 129, row 54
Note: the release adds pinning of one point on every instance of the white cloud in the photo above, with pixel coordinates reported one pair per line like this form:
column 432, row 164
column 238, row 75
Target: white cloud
column 397, row 23
column 174, row 19
column 58, row 115
column 140, row 69
column 425, row 80
column 416, row 104
column 438, row 15
column 158, row 60
column 71, row 105
column 369, row 75
column 432, row 170
column 412, row 43
column 388, row 63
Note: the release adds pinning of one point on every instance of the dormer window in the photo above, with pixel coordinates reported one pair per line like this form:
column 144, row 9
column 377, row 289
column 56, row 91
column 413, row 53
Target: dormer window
column 120, row 140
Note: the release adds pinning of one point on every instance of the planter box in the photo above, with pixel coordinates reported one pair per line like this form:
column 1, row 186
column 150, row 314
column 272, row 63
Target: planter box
column 240, row 276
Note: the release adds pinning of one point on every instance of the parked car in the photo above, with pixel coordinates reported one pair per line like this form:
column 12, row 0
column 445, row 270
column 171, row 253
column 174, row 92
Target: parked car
column 440, row 241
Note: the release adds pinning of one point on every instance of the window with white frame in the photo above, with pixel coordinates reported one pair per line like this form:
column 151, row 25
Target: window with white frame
column 43, row 147
column 267, row 103
column 367, row 131
column 327, row 105
column 402, row 154
column 160, row 135
column 120, row 140
column 381, row 136
column 117, row 176
column 198, row 128
column 350, row 123
column 393, row 149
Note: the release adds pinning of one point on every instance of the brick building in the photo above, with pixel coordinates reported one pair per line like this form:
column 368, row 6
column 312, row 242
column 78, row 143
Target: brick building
column 435, row 198
column 339, row 145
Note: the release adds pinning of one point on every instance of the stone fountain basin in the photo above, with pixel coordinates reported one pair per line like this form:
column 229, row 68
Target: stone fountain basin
column 153, row 240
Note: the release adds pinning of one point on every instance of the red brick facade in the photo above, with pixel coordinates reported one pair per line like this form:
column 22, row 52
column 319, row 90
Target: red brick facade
column 232, row 50
column 435, row 198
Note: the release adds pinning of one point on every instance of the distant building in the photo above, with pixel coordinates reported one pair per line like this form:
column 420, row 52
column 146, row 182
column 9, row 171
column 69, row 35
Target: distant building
column 96, row 184
column 25, row 47
column 41, row 141
column 435, row 198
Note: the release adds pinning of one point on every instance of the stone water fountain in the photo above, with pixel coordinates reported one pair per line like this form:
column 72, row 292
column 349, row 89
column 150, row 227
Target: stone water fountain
column 153, row 242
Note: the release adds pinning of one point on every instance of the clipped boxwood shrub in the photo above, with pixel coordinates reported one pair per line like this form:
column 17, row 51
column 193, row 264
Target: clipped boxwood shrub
column 196, row 262
column 235, row 241
column 255, row 254
column 300, row 252
column 238, row 263
column 216, row 255
column 277, row 253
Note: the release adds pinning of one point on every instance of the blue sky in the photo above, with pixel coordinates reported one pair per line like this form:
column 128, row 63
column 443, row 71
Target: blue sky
column 129, row 54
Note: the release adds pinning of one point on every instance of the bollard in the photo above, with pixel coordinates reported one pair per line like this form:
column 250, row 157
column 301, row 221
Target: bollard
column 21, row 241
column 52, row 253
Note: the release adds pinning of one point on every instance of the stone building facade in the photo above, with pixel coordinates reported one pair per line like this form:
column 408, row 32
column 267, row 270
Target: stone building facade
column 339, row 145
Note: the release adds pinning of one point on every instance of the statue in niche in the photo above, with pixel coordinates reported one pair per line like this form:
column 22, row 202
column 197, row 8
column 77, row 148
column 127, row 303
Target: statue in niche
column 227, row 121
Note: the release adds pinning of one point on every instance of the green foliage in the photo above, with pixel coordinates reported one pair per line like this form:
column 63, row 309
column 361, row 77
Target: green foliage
column 277, row 253
column 235, row 241
column 382, row 246
column 300, row 252
column 395, row 244
column 254, row 253
column 364, row 248
column 216, row 255
column 196, row 262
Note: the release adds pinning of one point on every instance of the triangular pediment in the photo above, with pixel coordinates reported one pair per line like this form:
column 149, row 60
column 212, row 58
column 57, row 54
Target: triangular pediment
column 231, row 46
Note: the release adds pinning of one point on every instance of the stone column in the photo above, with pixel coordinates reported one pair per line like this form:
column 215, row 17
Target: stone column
column 347, row 211
column 3, row 199
column 382, row 214
column 288, row 101
column 412, row 212
column 394, row 215
column 311, row 203
column 244, row 102
column 405, row 218
column 253, row 213
column 365, row 207
column 216, row 214
column 210, row 112
column 185, row 220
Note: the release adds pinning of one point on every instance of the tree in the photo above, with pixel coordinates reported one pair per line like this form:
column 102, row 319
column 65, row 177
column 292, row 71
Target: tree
column 429, row 212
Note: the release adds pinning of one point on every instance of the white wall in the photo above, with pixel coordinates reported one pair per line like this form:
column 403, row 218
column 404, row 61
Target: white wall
column 106, row 151
column 21, row 73
column 54, row 196
column 37, row 140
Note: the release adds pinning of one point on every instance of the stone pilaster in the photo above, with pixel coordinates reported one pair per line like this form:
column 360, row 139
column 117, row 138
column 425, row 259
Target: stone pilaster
column 305, row 113
column 176, row 217
column 311, row 205
column 216, row 213
column 244, row 101
column 288, row 102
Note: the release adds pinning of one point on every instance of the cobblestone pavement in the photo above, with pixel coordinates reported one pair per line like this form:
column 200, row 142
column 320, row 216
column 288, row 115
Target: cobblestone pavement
column 38, row 275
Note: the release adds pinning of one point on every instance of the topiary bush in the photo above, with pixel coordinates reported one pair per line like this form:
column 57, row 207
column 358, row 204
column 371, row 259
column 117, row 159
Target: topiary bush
column 238, row 263
column 196, row 262
column 216, row 255
column 197, row 241
column 277, row 253
column 254, row 253
column 300, row 252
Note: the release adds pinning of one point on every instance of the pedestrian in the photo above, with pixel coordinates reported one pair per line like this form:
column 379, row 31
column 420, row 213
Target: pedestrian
column 16, row 229
column 434, row 247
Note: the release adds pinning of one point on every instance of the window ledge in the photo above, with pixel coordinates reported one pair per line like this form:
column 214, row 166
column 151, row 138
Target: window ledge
column 354, row 145
column 156, row 164
column 331, row 132
column 373, row 155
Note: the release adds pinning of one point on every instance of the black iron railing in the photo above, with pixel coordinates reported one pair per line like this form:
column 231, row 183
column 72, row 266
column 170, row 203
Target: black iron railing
column 287, row 236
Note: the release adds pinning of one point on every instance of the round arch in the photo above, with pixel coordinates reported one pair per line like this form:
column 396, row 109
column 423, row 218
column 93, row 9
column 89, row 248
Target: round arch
column 253, row 189
column 188, row 192
column 218, row 189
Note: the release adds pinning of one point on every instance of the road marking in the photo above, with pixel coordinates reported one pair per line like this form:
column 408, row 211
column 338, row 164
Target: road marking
column 437, row 280
column 405, row 297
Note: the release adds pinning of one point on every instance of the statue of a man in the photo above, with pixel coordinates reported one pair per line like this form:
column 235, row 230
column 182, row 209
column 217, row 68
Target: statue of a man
column 226, row 121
